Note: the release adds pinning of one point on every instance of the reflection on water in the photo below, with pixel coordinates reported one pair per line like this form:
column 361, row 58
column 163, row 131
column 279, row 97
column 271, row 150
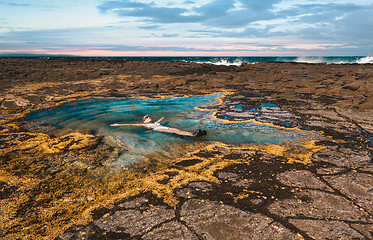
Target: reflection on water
column 97, row 114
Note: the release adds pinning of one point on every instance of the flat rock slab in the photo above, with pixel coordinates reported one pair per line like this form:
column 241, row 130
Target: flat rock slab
column 319, row 205
column 355, row 186
column 327, row 229
column 343, row 157
column 134, row 222
column 170, row 230
column 302, row 179
column 213, row 220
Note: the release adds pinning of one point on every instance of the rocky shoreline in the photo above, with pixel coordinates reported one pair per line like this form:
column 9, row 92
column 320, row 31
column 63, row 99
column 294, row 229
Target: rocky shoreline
column 55, row 184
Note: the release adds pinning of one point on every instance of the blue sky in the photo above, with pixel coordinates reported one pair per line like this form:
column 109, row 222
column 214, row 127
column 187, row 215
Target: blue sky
column 187, row 27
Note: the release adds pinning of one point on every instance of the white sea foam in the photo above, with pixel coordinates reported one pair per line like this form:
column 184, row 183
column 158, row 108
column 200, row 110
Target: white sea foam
column 365, row 60
column 226, row 62
column 310, row 60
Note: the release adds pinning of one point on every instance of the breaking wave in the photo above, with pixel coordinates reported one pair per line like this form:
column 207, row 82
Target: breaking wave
column 335, row 60
column 224, row 61
column 365, row 60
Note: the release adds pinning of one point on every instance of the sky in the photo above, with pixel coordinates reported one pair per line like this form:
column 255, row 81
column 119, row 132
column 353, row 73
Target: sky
column 187, row 27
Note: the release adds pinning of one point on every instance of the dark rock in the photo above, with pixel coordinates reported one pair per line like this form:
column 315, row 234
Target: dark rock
column 356, row 186
column 134, row 222
column 318, row 229
column 170, row 230
column 235, row 179
column 78, row 233
column 213, row 220
column 6, row 190
column 188, row 163
column 137, row 202
column 302, row 179
column 320, row 205
column 364, row 229
column 343, row 157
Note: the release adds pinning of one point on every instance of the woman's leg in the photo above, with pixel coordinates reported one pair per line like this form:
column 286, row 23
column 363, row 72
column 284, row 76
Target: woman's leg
column 176, row 131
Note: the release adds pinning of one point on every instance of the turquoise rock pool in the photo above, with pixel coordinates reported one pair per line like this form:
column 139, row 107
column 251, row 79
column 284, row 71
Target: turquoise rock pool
column 96, row 115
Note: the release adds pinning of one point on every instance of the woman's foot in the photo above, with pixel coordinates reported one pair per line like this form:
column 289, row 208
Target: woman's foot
column 199, row 133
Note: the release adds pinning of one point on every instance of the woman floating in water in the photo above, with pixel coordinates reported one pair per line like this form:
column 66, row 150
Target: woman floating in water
column 156, row 126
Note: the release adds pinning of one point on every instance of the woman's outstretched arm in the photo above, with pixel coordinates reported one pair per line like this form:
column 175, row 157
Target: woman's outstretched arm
column 159, row 120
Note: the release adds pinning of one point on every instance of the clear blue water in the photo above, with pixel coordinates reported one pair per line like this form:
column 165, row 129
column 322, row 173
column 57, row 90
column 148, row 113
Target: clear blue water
column 225, row 60
column 96, row 115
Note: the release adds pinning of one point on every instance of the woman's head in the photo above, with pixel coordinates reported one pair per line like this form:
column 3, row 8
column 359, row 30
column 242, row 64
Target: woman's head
column 146, row 119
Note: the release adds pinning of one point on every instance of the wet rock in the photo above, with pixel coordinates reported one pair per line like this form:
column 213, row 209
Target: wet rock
column 326, row 229
column 213, row 220
column 302, row 179
column 321, row 205
column 343, row 157
column 245, row 109
column 188, row 163
column 338, row 127
column 170, row 230
column 324, row 114
column 134, row 222
column 356, row 186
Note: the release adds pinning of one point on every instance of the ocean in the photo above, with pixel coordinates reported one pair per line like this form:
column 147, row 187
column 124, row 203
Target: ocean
column 226, row 60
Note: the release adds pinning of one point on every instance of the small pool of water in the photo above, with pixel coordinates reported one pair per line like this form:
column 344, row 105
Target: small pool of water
column 96, row 115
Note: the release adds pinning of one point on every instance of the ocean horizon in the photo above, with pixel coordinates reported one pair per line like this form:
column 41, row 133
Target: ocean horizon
column 216, row 60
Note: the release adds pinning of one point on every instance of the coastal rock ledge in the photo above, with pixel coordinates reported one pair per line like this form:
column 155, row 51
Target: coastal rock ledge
column 56, row 183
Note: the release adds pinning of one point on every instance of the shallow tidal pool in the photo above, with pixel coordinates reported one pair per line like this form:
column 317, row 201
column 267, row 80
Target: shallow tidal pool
column 96, row 115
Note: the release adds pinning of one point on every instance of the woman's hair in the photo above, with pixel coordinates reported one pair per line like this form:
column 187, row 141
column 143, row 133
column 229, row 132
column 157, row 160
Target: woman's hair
column 145, row 117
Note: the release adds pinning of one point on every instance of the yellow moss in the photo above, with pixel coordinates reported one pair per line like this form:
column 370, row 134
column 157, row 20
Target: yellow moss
column 40, row 142
column 123, row 76
column 35, row 86
column 240, row 196
column 295, row 152
column 9, row 127
column 75, row 197
column 275, row 149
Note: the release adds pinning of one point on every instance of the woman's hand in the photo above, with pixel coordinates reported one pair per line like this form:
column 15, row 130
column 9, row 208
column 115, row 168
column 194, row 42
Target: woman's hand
column 114, row 125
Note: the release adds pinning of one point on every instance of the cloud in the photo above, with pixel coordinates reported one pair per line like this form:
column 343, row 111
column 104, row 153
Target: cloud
column 259, row 5
column 189, row 2
column 151, row 27
column 151, row 12
column 215, row 13
column 215, row 9
column 112, row 5
column 335, row 22
column 14, row 4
